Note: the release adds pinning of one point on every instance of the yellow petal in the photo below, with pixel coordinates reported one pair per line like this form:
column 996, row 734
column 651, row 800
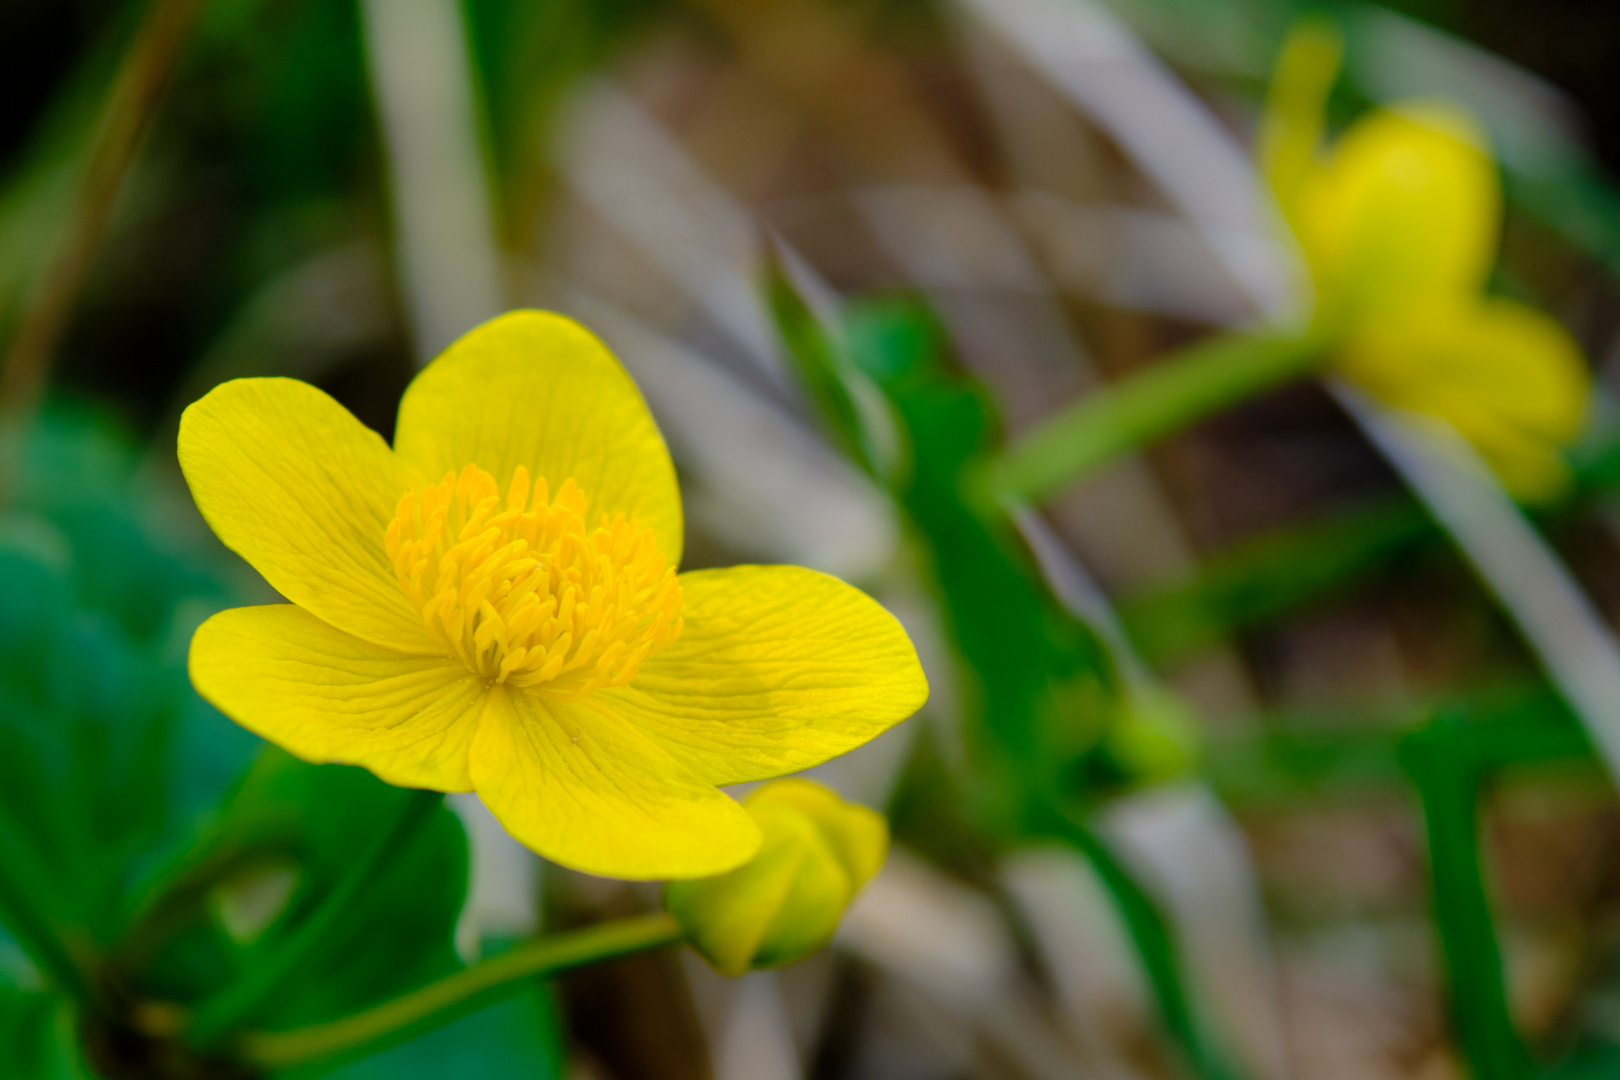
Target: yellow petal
column 1406, row 209
column 328, row 696
column 303, row 491
column 536, row 389
column 1510, row 379
column 583, row 787
column 779, row 668
column 1296, row 103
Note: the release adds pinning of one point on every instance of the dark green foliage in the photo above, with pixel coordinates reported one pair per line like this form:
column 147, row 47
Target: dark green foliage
column 1039, row 689
column 127, row 804
column 1038, row 684
column 39, row 1037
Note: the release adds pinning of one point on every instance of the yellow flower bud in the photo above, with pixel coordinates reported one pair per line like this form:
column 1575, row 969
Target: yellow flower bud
column 785, row 903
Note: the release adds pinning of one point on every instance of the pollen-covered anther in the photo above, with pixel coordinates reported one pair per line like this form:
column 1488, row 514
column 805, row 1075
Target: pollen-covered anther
column 523, row 592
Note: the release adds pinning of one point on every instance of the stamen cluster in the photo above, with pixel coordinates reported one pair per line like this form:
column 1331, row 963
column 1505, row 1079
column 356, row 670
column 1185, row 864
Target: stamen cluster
column 523, row 593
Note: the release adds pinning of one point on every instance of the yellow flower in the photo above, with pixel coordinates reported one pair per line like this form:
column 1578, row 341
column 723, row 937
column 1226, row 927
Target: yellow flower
column 492, row 606
column 786, row 902
column 1399, row 228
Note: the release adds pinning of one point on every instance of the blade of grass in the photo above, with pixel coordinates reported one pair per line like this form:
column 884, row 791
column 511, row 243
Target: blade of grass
column 422, row 81
column 1265, row 577
column 821, row 369
column 1152, row 936
column 1558, row 622
column 1445, row 762
column 127, row 115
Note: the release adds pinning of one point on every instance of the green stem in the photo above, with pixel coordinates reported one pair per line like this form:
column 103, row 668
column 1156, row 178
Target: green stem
column 1445, row 764
column 1172, row 394
column 456, row 995
column 1153, row 938
column 225, row 1010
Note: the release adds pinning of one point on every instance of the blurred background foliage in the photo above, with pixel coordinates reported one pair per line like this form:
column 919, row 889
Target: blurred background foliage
column 1233, row 767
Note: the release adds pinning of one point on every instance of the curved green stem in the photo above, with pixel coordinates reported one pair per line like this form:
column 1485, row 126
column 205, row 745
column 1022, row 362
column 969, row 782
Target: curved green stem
column 225, row 1010
column 456, row 995
column 1172, row 394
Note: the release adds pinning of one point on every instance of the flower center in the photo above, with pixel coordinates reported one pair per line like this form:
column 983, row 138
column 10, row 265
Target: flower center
column 523, row 592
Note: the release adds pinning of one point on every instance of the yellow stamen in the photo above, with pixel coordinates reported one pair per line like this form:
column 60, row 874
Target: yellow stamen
column 523, row 593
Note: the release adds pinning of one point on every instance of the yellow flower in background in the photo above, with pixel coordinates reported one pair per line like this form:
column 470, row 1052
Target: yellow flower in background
column 492, row 605
column 786, row 902
column 1399, row 225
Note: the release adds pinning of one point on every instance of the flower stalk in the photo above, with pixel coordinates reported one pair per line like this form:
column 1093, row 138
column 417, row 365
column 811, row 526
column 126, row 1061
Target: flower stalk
column 456, row 995
column 1174, row 393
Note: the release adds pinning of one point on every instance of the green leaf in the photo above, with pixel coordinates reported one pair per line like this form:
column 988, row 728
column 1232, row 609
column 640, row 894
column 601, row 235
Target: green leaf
column 98, row 722
column 39, row 1038
column 397, row 935
column 824, row 371
column 1037, row 684
column 89, row 726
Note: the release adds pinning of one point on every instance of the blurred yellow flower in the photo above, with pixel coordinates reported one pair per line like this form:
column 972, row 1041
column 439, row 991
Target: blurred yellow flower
column 492, row 606
column 1399, row 228
column 786, row 903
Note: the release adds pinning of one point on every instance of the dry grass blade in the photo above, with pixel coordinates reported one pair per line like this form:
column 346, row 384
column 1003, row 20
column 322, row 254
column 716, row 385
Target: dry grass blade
column 126, row 118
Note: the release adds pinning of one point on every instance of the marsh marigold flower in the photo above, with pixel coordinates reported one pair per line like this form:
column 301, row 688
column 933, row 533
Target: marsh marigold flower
column 1399, row 227
column 784, row 903
column 492, row 605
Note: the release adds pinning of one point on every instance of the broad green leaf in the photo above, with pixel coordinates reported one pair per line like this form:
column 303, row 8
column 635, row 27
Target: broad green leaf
column 315, row 820
column 1036, row 681
column 39, row 1038
column 89, row 727
column 98, row 722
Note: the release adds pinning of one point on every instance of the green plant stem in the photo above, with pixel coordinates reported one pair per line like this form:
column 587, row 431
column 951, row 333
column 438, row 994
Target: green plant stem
column 1155, row 942
column 1175, row 392
column 1446, row 761
column 225, row 1010
column 457, row 995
